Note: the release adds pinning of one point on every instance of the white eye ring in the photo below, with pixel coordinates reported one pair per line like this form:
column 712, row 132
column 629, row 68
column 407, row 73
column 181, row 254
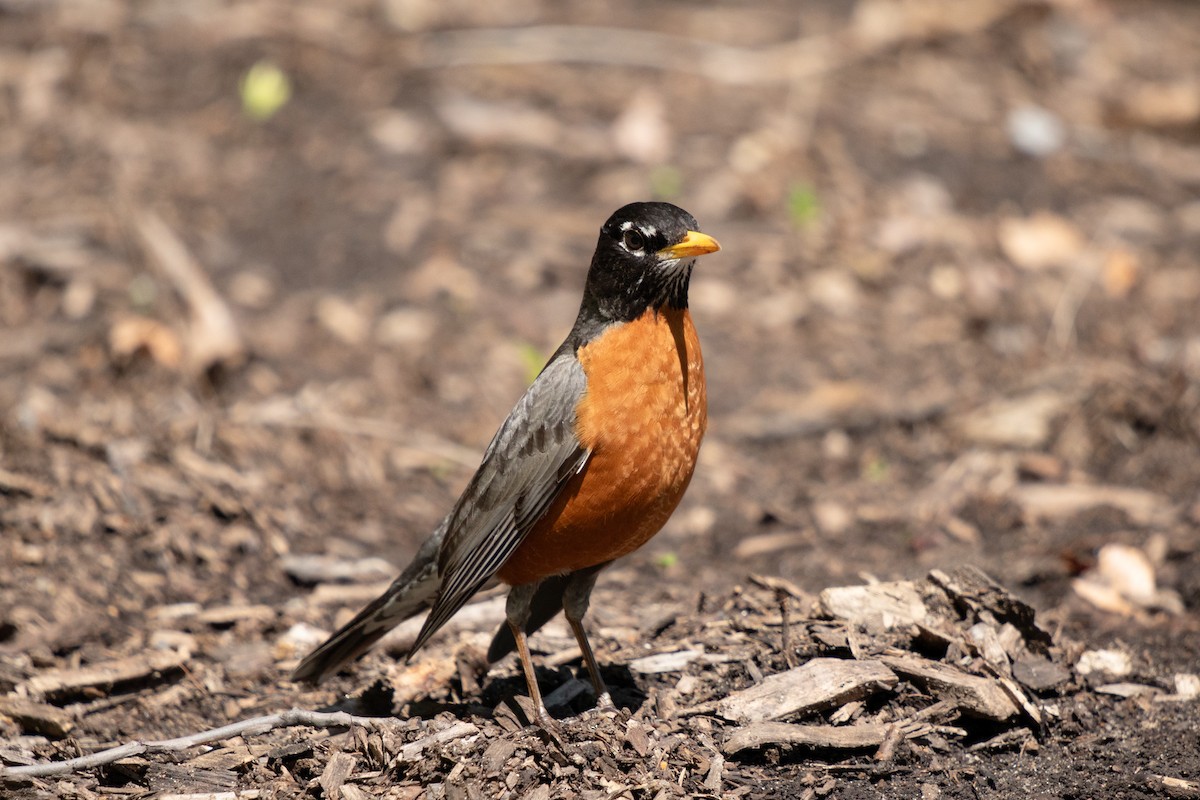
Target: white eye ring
column 634, row 240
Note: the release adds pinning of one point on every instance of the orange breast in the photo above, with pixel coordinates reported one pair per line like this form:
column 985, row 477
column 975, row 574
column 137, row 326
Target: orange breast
column 643, row 417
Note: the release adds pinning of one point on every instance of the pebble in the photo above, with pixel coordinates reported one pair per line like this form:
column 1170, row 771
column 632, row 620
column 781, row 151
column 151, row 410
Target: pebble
column 1035, row 131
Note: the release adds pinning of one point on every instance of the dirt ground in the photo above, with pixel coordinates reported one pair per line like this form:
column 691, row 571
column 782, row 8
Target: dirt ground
column 954, row 322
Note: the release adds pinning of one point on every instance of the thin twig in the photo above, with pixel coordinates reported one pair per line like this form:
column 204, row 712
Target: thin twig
column 581, row 44
column 787, row 62
column 246, row 727
column 214, row 337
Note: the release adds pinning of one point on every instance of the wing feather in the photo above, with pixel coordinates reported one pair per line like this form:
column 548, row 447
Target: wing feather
column 528, row 462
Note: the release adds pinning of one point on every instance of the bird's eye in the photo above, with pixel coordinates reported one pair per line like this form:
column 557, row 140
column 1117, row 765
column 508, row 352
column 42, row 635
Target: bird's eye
column 634, row 240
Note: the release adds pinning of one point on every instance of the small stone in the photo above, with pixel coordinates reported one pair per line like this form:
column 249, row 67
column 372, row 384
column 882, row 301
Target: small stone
column 1035, row 131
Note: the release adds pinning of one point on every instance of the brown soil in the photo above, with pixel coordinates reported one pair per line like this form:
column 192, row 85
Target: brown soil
column 912, row 324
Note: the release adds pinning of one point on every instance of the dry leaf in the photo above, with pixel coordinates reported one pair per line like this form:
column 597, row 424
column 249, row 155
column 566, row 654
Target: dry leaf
column 1043, row 241
column 132, row 336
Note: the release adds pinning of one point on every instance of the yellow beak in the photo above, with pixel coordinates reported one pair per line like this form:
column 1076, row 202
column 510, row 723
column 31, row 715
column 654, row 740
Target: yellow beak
column 694, row 244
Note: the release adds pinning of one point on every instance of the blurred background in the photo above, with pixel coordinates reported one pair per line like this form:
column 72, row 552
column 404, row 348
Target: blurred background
column 272, row 272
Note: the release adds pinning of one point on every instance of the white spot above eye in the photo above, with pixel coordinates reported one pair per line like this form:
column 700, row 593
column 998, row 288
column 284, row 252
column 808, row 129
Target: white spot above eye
column 647, row 231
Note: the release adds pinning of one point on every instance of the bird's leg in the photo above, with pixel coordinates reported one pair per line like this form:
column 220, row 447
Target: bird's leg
column 517, row 612
column 575, row 604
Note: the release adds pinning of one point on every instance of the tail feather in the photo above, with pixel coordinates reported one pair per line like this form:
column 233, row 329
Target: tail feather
column 409, row 595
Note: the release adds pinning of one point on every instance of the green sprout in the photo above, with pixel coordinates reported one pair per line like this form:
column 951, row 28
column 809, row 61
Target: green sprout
column 265, row 89
column 804, row 206
column 877, row 469
column 666, row 560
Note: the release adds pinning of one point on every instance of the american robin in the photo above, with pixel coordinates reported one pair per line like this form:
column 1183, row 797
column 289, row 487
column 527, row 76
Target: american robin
column 588, row 466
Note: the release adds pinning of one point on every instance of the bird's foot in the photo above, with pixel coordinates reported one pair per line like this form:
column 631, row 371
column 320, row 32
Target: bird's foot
column 550, row 729
column 542, row 718
column 604, row 702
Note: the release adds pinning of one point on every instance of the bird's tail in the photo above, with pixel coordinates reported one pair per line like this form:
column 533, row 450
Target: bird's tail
column 409, row 595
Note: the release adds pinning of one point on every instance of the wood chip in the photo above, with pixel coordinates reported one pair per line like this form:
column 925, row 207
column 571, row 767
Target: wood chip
column 133, row 336
column 1017, row 422
column 229, row 758
column 290, row 751
column 336, row 772
column 1174, row 787
column 1015, row 739
column 313, row 569
column 16, row 483
column 1157, row 104
column 846, row 713
column 969, row 589
column 893, row 733
column 973, row 694
column 664, row 662
column 847, row 737
column 638, row 737
column 539, row 792
column 497, row 754
column 1046, row 501
column 1041, row 241
column 228, row 616
column 764, row 544
column 821, row 683
column 62, row 684
column 1015, row 694
column 1039, row 674
column 986, row 639
column 38, row 718
column 342, row 595
column 213, row 336
column 712, row 781
column 879, row 606
column 1127, row 689
column 183, row 776
column 459, row 730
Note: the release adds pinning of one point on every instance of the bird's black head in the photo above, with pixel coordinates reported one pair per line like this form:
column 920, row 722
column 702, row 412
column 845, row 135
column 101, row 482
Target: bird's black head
column 643, row 261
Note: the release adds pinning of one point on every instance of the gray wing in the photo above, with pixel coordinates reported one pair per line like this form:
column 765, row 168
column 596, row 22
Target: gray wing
column 530, row 459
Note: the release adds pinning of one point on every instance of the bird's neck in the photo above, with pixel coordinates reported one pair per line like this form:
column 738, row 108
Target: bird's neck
column 596, row 313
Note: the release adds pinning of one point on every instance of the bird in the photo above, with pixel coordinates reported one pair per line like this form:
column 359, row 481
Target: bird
column 586, row 468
